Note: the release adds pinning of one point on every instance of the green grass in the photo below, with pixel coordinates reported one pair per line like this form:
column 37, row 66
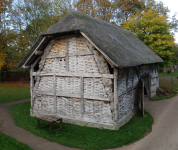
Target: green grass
column 8, row 143
column 80, row 136
column 11, row 93
column 167, row 88
column 162, row 97
column 162, row 74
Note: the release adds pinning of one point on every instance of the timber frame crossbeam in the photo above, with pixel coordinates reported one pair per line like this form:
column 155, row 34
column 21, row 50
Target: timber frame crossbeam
column 87, row 75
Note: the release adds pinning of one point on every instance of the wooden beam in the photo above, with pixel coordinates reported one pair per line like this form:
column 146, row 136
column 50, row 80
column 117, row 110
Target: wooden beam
column 115, row 95
column 51, row 36
column 104, row 55
column 39, row 52
column 36, row 61
column 68, row 74
column 71, row 54
column 31, row 85
column 71, row 95
column 67, row 55
column 26, row 66
column 142, row 96
column 68, row 36
column 82, row 97
column 54, row 93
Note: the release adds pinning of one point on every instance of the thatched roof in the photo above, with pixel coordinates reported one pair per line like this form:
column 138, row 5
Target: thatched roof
column 121, row 46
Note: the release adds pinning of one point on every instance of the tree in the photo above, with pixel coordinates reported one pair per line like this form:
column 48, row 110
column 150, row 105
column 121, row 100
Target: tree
column 21, row 24
column 128, row 7
column 154, row 30
column 101, row 9
column 5, row 6
column 175, row 51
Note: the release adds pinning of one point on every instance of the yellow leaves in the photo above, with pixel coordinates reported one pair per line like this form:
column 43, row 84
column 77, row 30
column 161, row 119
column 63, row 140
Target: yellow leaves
column 154, row 31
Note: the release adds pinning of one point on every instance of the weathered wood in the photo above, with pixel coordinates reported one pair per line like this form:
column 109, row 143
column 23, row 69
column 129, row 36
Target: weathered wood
column 82, row 96
column 67, row 54
column 68, row 36
column 26, row 66
column 115, row 95
column 142, row 97
column 104, row 55
column 31, row 85
column 54, row 90
column 51, row 36
column 71, row 95
column 46, row 52
column 34, row 51
column 39, row 52
column 92, row 75
column 71, row 54
column 36, row 61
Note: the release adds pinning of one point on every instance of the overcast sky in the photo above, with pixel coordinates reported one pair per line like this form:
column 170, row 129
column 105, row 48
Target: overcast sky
column 173, row 7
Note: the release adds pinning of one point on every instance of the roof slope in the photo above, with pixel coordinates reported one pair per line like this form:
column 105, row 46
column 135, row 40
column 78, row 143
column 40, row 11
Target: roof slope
column 121, row 46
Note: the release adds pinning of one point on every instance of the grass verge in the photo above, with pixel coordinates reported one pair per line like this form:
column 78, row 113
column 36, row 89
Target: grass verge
column 8, row 143
column 80, row 136
column 162, row 97
column 162, row 74
column 13, row 92
column 167, row 88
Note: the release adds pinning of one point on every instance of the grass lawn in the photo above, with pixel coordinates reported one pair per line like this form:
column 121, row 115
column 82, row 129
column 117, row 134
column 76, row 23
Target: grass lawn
column 8, row 143
column 167, row 88
column 13, row 91
column 162, row 74
column 80, row 136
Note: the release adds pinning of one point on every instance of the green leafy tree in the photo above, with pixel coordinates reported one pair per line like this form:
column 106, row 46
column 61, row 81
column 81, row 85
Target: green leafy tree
column 154, row 30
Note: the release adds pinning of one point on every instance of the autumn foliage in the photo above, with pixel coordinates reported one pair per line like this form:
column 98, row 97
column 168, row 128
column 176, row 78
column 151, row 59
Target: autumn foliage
column 154, row 31
column 22, row 21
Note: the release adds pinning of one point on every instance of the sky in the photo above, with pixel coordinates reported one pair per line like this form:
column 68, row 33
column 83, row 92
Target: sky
column 173, row 7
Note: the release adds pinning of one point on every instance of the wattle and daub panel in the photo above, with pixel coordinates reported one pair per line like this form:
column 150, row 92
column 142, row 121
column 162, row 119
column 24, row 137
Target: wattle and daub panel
column 97, row 93
column 128, row 80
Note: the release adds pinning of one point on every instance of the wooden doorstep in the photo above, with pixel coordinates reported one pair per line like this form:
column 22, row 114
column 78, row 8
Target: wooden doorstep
column 71, row 95
column 85, row 75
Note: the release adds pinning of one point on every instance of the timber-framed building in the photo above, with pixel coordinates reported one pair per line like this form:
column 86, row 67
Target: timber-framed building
column 89, row 72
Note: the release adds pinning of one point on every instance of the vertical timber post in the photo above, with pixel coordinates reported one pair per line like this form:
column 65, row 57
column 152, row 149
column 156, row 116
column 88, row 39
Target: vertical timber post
column 142, row 97
column 67, row 55
column 115, row 95
column 54, row 92
column 82, row 96
column 31, row 84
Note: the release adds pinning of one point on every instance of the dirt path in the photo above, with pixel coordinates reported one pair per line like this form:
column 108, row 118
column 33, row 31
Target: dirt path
column 37, row 143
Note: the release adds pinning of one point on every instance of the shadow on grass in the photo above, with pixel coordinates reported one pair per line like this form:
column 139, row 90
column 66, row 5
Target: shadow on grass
column 80, row 136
